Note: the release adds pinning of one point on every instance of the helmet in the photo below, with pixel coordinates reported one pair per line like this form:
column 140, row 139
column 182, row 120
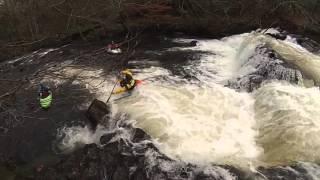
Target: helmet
column 126, row 72
column 43, row 88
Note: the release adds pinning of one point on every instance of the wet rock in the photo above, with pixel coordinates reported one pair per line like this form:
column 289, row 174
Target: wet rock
column 187, row 44
column 106, row 138
column 305, row 42
column 112, row 148
column 236, row 172
column 139, row 175
column 131, row 161
column 266, row 65
column 140, row 135
column 193, row 43
column 92, row 151
column 204, row 177
column 117, row 161
column 280, row 36
column 96, row 113
column 121, row 173
column 91, row 172
column 309, row 44
column 185, row 173
column 286, row 172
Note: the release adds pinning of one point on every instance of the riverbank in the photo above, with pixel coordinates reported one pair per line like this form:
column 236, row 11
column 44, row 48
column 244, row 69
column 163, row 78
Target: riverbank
column 56, row 23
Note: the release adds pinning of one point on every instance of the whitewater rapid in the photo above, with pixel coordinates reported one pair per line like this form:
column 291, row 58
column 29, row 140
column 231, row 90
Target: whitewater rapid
column 202, row 121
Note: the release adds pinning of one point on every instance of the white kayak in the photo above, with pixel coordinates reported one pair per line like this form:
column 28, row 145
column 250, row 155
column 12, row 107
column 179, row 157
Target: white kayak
column 114, row 51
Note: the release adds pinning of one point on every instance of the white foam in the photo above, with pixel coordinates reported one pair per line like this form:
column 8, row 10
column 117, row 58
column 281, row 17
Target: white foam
column 47, row 51
column 271, row 31
column 224, row 60
column 218, row 173
column 73, row 137
column 196, row 124
column 288, row 120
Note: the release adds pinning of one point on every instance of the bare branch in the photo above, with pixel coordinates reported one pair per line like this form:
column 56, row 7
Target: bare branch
column 11, row 92
column 27, row 43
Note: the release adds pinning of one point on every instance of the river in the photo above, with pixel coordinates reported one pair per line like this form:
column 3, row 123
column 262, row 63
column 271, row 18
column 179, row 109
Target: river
column 207, row 109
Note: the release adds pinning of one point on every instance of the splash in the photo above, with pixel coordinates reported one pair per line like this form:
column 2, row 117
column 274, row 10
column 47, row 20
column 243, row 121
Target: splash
column 74, row 137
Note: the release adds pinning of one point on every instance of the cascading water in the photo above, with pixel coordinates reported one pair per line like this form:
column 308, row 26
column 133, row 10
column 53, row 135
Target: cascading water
column 196, row 124
column 288, row 122
column 211, row 123
column 203, row 121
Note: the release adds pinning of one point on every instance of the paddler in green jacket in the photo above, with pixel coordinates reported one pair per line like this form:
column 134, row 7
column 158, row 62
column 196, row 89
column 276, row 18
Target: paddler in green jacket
column 126, row 83
column 45, row 96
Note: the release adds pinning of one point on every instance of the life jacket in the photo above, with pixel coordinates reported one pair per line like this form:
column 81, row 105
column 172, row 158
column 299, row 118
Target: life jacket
column 45, row 101
column 128, row 82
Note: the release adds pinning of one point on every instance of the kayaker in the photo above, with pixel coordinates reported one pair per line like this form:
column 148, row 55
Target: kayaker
column 127, row 82
column 45, row 96
column 113, row 46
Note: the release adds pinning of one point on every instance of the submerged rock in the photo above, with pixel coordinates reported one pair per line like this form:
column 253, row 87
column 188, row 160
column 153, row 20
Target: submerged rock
column 186, row 44
column 266, row 65
column 305, row 171
column 115, row 160
column 140, row 135
column 105, row 139
column 134, row 158
column 308, row 43
column 280, row 36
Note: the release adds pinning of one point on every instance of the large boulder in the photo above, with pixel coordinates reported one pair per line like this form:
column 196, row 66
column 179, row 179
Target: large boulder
column 309, row 44
column 97, row 112
column 268, row 65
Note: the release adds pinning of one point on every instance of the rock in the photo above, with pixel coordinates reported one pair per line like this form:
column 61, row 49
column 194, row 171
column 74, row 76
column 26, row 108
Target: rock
column 91, row 151
column 139, row 174
column 309, row 44
column 289, row 172
column 91, row 172
column 185, row 173
column 96, row 113
column 106, row 138
column 268, row 65
column 186, row 44
column 193, row 43
column 305, row 42
column 114, row 162
column 112, row 148
column 203, row 177
column 121, row 173
column 280, row 36
column 140, row 135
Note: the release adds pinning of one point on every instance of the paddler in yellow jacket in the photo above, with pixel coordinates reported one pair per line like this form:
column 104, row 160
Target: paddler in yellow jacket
column 45, row 96
column 126, row 83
